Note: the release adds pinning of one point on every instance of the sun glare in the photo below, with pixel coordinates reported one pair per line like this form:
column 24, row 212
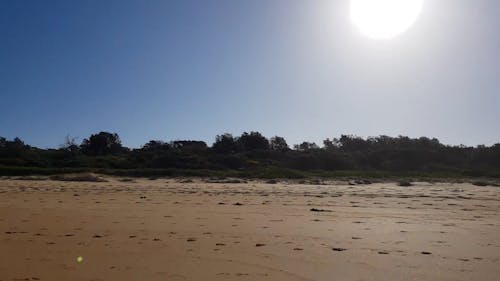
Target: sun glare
column 382, row 19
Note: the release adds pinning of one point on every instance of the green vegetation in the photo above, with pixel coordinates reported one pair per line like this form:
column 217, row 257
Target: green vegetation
column 251, row 155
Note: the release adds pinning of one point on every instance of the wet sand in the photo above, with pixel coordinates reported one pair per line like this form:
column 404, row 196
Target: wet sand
column 171, row 230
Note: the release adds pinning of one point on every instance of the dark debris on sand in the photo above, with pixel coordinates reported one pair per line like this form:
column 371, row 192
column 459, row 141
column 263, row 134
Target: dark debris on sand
column 319, row 210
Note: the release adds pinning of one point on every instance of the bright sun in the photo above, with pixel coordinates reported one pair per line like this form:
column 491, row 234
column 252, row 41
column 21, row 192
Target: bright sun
column 382, row 19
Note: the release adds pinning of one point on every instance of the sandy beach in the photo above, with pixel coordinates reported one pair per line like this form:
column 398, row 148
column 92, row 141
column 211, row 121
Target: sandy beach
column 169, row 229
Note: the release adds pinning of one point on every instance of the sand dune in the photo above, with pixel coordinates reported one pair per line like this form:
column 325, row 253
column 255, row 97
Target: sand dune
column 193, row 230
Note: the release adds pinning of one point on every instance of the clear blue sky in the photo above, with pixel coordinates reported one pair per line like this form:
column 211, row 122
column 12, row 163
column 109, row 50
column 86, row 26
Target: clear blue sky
column 295, row 68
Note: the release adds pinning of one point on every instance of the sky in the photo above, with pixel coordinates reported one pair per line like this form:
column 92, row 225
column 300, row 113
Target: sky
column 185, row 69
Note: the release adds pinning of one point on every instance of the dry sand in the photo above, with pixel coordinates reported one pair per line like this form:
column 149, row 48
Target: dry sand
column 168, row 230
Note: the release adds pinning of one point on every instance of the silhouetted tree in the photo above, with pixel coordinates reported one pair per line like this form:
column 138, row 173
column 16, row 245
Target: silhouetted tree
column 156, row 145
column 224, row 143
column 331, row 144
column 15, row 150
column 189, row 145
column 18, row 143
column 253, row 141
column 102, row 143
column 278, row 144
column 70, row 144
column 352, row 143
column 15, row 144
column 306, row 146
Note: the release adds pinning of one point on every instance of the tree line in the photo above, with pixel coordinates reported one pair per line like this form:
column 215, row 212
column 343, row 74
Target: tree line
column 104, row 150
